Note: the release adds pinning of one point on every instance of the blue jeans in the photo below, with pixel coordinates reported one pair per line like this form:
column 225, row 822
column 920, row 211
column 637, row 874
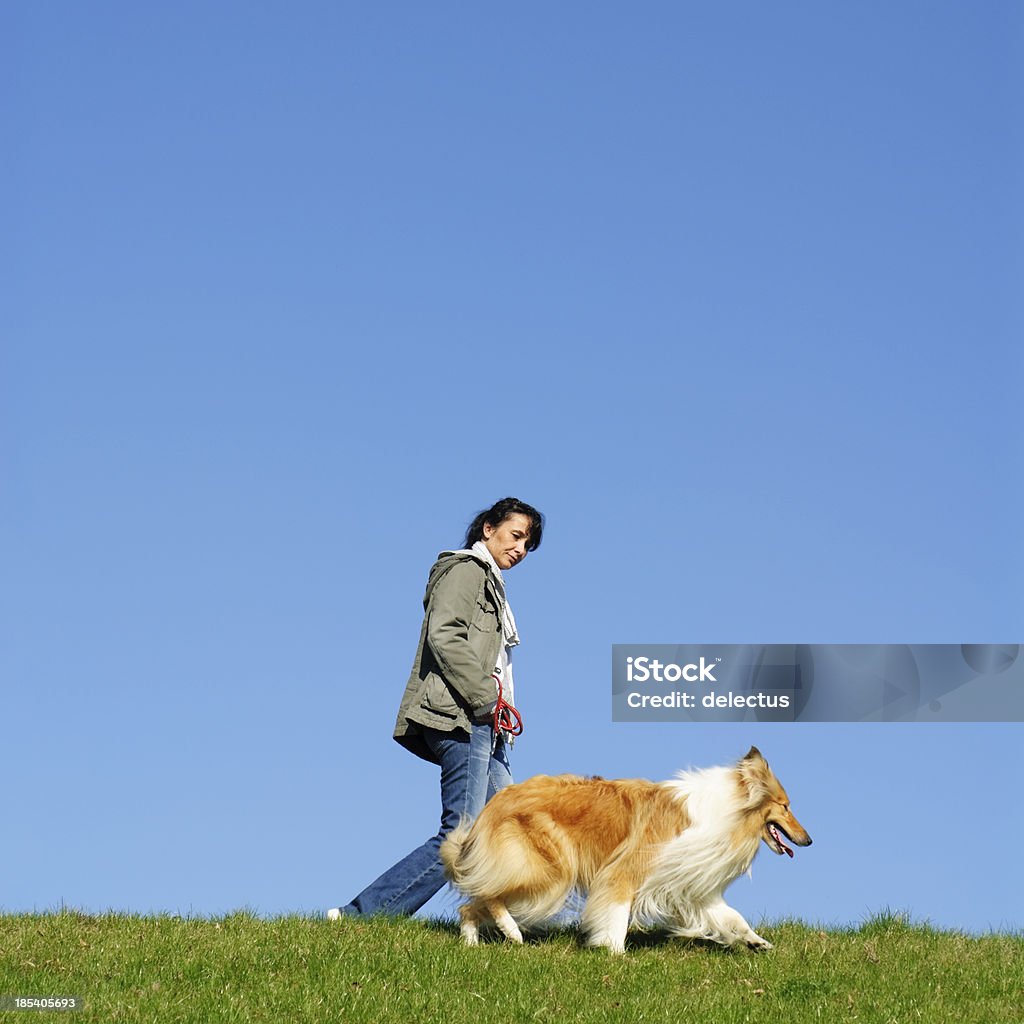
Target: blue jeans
column 470, row 776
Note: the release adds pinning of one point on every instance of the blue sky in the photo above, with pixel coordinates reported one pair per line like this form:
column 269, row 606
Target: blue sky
column 731, row 294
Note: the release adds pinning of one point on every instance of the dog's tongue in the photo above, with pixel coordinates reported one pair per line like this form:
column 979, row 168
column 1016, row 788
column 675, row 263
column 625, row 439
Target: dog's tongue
column 778, row 838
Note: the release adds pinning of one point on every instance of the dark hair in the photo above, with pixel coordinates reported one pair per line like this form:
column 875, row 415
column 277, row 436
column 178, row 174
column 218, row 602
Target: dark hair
column 498, row 513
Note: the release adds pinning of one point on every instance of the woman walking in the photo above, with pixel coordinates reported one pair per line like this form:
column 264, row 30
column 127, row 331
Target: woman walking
column 461, row 675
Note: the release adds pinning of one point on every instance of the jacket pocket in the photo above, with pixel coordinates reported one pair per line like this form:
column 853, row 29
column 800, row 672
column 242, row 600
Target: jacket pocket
column 439, row 699
column 485, row 618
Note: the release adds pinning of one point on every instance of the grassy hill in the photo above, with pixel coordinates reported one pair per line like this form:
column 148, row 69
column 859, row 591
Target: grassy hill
column 242, row 968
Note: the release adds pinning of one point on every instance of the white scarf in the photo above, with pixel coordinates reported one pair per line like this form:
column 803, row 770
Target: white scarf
column 508, row 622
column 509, row 633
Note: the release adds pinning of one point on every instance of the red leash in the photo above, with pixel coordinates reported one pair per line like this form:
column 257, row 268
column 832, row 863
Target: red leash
column 506, row 718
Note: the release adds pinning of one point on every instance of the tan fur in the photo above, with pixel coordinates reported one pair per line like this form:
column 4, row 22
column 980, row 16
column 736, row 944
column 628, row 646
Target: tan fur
column 630, row 844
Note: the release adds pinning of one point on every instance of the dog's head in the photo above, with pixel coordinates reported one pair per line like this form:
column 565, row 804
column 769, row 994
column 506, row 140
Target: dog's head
column 768, row 804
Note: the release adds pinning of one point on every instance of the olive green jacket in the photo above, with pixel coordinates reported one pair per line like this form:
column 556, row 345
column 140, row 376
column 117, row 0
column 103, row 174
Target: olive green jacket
column 451, row 683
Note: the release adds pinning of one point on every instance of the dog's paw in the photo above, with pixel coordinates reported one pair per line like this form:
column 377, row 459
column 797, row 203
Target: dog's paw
column 754, row 941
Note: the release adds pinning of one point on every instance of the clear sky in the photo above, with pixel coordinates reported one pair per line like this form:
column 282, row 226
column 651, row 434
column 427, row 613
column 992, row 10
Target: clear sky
column 731, row 293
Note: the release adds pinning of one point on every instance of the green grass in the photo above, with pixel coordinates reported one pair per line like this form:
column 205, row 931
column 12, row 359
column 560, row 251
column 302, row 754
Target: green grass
column 242, row 968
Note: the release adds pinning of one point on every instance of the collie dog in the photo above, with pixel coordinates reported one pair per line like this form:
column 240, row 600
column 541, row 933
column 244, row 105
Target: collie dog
column 645, row 853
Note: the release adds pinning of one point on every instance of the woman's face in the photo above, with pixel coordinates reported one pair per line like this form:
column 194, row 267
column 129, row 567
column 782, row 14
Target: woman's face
column 507, row 541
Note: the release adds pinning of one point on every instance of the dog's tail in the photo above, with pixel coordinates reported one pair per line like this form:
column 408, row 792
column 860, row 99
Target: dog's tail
column 505, row 866
column 453, row 848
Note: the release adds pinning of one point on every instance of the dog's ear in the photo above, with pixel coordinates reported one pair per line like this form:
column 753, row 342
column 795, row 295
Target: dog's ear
column 754, row 773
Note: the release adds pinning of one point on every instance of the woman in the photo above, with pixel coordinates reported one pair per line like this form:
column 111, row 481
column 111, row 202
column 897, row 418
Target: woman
column 463, row 666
